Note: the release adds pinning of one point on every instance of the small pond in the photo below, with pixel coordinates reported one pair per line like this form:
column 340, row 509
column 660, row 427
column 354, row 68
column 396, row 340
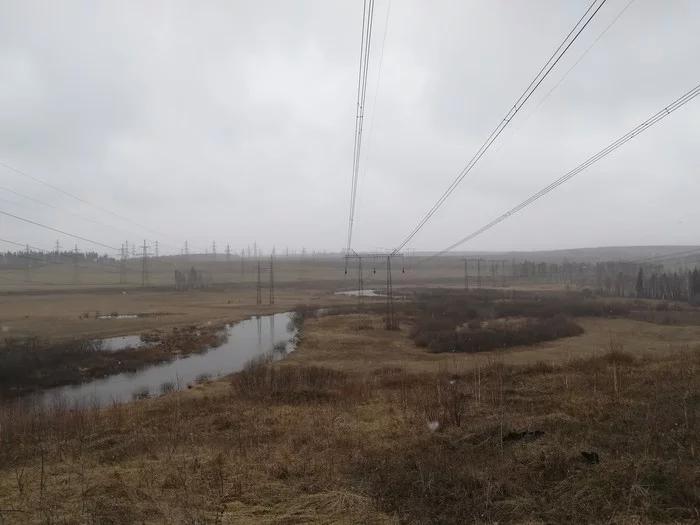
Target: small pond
column 363, row 293
column 112, row 344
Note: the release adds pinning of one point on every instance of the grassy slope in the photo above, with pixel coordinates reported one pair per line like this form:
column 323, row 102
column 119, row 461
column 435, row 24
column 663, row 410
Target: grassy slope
column 298, row 444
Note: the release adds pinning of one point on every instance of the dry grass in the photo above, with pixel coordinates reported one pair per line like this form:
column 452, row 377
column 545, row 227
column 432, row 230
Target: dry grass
column 58, row 315
column 339, row 433
column 335, row 342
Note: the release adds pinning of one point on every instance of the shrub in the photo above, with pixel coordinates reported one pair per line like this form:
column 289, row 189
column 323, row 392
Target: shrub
column 294, row 383
column 142, row 392
column 280, row 347
column 500, row 335
column 167, row 387
column 202, row 378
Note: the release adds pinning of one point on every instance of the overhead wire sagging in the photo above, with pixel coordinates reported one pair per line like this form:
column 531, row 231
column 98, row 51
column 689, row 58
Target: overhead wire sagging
column 365, row 48
column 96, row 243
column 524, row 97
column 660, row 115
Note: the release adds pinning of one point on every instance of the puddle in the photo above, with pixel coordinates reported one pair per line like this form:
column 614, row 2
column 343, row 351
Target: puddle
column 133, row 316
column 112, row 344
column 244, row 341
column 363, row 293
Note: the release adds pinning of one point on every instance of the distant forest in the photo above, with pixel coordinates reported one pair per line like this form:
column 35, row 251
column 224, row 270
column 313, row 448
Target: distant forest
column 619, row 279
column 35, row 259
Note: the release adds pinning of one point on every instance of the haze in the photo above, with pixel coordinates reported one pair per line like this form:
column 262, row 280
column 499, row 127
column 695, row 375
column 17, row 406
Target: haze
column 233, row 122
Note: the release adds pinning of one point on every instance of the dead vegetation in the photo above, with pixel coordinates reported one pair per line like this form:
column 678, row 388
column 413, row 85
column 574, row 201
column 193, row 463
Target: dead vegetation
column 32, row 364
column 609, row 438
column 481, row 320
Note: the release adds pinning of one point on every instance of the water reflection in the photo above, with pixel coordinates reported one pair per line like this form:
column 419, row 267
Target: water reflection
column 243, row 342
column 112, row 344
column 363, row 293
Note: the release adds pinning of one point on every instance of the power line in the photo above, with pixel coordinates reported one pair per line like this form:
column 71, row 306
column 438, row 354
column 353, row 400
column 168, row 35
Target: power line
column 561, row 80
column 144, row 265
column 41, row 250
column 272, row 279
column 48, row 205
column 365, row 47
column 671, row 256
column 690, row 95
column 376, row 96
column 80, row 199
column 539, row 78
column 65, row 211
column 59, row 231
column 49, row 261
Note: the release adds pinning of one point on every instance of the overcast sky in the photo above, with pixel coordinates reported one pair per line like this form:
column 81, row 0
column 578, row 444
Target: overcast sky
column 233, row 121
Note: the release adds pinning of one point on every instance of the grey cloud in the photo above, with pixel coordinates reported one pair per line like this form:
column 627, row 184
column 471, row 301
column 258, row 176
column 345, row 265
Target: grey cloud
column 233, row 121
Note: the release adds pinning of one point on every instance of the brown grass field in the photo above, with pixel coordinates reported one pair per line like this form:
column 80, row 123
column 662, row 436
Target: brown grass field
column 361, row 426
column 51, row 305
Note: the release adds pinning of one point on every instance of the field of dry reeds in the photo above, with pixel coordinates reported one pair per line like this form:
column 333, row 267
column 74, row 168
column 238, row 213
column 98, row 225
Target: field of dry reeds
column 604, row 436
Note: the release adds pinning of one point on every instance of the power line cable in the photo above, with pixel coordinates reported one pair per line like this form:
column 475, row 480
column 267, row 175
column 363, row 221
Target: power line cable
column 60, row 263
column 376, row 96
column 365, row 48
column 60, row 231
column 41, row 250
column 670, row 256
column 541, row 102
column 82, row 217
column 539, row 78
column 678, row 103
column 80, row 199
column 601, row 35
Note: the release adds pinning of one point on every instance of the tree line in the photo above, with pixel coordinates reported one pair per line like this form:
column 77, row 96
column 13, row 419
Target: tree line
column 34, row 258
column 617, row 278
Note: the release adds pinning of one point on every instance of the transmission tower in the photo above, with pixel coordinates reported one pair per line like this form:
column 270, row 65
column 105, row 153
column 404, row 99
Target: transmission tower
column 58, row 247
column 242, row 263
column 259, row 287
column 187, row 249
column 228, row 252
column 391, row 323
column 466, row 274
column 272, row 280
column 213, row 249
column 133, row 249
column 122, row 265
column 144, row 266
column 494, row 269
column 156, row 249
column 478, row 273
column 390, row 319
column 28, row 267
column 360, row 283
column 76, row 266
